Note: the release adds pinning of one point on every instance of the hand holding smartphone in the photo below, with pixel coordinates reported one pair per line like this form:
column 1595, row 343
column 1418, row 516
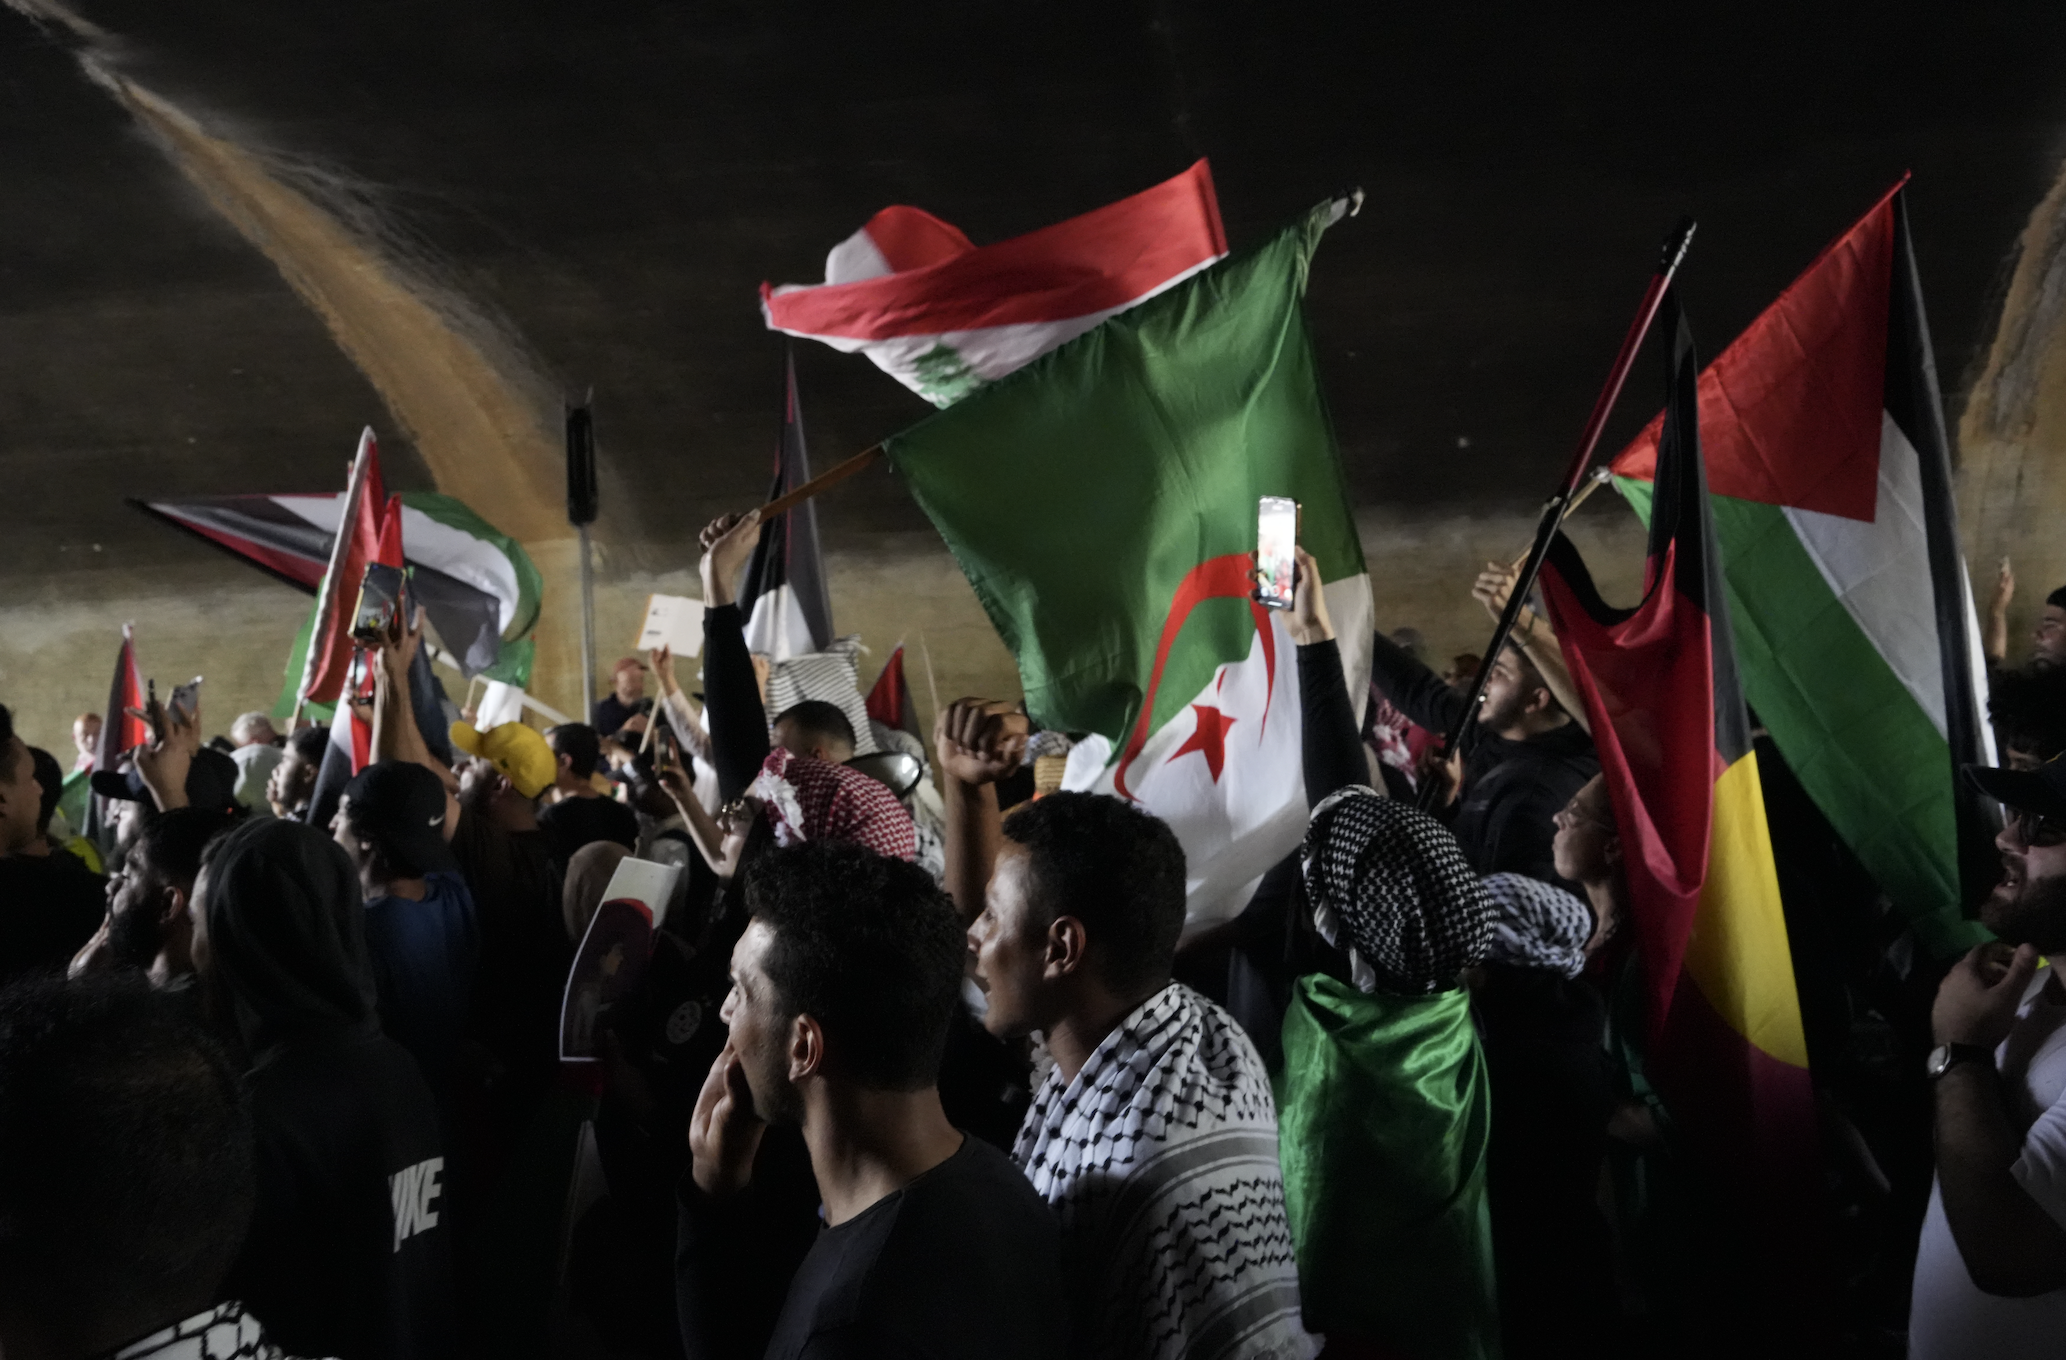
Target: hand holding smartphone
column 380, row 597
column 1276, row 552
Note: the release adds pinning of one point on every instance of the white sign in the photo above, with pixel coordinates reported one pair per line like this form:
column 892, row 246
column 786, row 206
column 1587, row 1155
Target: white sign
column 672, row 621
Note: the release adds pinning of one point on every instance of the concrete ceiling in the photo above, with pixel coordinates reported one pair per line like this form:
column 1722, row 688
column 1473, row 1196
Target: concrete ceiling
column 610, row 180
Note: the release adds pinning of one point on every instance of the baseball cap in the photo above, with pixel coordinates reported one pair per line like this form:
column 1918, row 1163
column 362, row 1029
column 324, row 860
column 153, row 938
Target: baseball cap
column 2042, row 790
column 514, row 748
column 211, row 782
column 401, row 805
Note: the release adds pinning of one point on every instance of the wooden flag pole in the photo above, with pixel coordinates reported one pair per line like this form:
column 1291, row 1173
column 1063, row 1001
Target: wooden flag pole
column 832, row 476
column 1558, row 505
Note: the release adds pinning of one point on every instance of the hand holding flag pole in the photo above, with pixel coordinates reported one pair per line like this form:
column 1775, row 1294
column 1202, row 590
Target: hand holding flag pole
column 1567, row 497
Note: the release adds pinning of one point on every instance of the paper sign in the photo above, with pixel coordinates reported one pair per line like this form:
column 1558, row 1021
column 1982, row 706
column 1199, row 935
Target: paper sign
column 612, row 958
column 672, row 621
column 646, row 881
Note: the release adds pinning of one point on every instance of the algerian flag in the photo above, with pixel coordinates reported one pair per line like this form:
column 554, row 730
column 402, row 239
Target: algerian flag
column 1830, row 478
column 1102, row 501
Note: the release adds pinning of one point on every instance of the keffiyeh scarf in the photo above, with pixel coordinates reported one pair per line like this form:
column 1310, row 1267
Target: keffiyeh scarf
column 1389, row 884
column 224, row 1332
column 814, row 800
column 1161, row 1160
column 1537, row 925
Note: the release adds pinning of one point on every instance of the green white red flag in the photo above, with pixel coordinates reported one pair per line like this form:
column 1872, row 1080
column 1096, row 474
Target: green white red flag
column 1102, row 501
column 944, row 316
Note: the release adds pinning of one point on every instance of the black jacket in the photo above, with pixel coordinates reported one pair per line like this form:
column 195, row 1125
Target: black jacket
column 1511, row 789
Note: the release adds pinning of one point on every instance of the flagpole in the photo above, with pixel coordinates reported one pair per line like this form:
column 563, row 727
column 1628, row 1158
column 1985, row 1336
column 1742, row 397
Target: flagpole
column 582, row 507
column 832, row 476
column 1564, row 500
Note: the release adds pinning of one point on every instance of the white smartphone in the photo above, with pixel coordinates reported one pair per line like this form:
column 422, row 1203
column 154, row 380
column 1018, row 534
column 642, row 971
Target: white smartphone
column 186, row 699
column 1276, row 551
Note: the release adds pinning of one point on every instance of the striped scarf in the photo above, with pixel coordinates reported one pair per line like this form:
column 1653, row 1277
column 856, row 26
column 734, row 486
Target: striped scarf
column 1161, row 1159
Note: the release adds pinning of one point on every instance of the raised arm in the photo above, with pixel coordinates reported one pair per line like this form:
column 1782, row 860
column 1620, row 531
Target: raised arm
column 2011, row 1244
column 1536, row 639
column 977, row 742
column 731, row 692
column 163, row 761
column 1995, row 647
column 1333, row 751
column 395, row 733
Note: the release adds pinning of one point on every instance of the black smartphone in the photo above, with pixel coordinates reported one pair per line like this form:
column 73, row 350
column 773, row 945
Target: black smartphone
column 1276, row 551
column 380, row 596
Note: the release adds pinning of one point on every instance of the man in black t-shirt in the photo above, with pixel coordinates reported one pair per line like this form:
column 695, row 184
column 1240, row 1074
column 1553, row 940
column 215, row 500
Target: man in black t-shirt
column 933, row 1242
column 349, row 1253
column 626, row 699
column 50, row 903
column 582, row 815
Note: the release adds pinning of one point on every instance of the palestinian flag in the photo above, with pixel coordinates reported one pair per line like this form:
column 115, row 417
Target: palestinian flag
column 889, row 700
column 783, row 600
column 1102, row 502
column 477, row 586
column 1724, row 1044
column 1832, row 501
column 119, row 731
column 944, row 316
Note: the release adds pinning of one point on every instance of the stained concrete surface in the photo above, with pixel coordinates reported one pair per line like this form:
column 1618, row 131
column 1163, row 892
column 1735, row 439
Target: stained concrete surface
column 608, row 183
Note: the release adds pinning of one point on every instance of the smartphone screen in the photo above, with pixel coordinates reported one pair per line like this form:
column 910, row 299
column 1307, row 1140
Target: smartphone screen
column 1276, row 556
column 379, row 597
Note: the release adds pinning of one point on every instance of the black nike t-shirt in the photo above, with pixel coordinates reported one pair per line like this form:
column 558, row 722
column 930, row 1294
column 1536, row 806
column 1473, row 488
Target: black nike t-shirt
column 349, row 1254
column 574, row 822
column 50, row 905
column 964, row 1261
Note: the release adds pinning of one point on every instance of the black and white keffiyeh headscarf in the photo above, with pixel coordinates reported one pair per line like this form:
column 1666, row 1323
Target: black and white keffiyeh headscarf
column 224, row 1332
column 1537, row 925
column 1389, row 884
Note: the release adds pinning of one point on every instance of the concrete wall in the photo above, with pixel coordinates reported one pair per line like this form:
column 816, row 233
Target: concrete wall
column 234, row 626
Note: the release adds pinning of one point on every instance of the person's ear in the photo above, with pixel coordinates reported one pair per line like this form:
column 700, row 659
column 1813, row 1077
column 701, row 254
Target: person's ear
column 172, row 908
column 1610, row 849
column 1067, row 944
column 806, row 1048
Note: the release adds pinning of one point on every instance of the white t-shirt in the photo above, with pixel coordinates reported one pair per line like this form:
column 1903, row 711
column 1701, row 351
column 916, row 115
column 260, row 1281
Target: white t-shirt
column 1949, row 1318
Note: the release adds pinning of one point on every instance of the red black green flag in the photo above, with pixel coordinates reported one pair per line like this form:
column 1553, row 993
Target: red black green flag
column 1724, row 1045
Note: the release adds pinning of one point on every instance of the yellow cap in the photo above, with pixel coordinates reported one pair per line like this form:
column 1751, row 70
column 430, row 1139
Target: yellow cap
column 515, row 749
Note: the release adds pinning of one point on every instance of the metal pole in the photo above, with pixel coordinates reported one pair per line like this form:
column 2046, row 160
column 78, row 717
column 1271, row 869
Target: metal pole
column 587, row 628
column 1559, row 504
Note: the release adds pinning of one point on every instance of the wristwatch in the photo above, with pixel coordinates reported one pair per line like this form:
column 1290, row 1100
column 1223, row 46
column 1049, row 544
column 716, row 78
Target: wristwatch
column 1944, row 1057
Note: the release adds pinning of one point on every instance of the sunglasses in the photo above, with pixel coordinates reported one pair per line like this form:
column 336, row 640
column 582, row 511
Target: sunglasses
column 2037, row 830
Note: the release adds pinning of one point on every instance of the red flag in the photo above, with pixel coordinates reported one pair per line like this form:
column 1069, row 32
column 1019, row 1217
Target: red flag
column 889, row 701
column 358, row 542
column 388, row 552
column 120, row 732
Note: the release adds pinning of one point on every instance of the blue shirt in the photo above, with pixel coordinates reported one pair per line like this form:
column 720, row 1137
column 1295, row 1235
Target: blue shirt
column 424, row 955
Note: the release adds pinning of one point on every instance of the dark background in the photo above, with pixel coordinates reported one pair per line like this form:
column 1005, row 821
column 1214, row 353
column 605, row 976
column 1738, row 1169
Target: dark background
column 615, row 178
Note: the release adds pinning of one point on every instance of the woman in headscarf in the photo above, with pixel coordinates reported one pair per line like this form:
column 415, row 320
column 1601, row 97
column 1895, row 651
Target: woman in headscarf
column 348, row 1255
column 1383, row 1105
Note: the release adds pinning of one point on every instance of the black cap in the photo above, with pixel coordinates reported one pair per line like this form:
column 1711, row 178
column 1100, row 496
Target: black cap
column 401, row 805
column 2042, row 790
column 211, row 782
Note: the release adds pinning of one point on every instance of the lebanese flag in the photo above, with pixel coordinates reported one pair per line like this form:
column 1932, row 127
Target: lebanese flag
column 1150, row 439
column 330, row 648
column 889, row 700
column 944, row 316
column 1830, row 477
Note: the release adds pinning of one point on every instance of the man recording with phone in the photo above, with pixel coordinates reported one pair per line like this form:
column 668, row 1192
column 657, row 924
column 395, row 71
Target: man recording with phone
column 1990, row 1270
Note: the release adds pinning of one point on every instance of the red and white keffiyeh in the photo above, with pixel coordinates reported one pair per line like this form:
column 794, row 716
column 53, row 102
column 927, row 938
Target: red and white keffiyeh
column 815, row 800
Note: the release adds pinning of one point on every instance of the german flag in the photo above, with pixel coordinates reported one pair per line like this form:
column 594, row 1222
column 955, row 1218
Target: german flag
column 1724, row 1045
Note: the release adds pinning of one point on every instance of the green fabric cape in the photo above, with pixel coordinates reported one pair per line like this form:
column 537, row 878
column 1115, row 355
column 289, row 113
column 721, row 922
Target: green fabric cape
column 1383, row 1112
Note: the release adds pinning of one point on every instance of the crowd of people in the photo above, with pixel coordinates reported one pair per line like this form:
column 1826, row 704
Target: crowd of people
column 935, row 1070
